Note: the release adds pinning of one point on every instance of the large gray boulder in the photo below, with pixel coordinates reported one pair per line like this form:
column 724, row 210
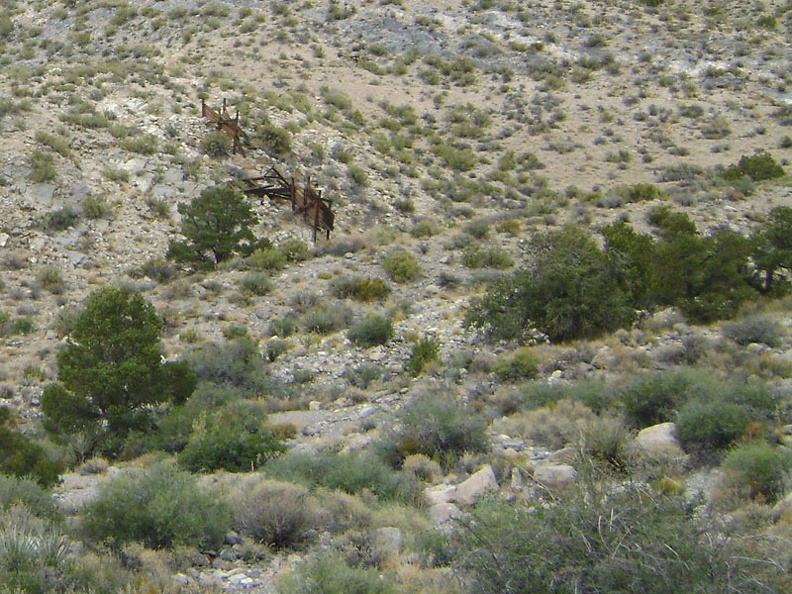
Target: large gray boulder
column 480, row 483
column 659, row 441
column 555, row 477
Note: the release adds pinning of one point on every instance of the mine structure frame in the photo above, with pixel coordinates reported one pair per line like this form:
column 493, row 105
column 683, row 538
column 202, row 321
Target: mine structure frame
column 225, row 123
column 305, row 199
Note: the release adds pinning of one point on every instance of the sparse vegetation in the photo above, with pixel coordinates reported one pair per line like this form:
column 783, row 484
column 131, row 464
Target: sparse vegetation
column 550, row 321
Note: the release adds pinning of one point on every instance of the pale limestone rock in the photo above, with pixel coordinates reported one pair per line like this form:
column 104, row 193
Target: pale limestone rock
column 480, row 483
column 659, row 440
column 444, row 512
column 555, row 476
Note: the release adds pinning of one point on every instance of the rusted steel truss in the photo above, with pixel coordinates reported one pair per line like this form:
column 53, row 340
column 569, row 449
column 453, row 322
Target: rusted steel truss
column 305, row 199
column 225, row 123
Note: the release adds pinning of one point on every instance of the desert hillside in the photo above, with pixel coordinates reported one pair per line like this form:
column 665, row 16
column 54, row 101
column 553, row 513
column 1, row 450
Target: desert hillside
column 552, row 308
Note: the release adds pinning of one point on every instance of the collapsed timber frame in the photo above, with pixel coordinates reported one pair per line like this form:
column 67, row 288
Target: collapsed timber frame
column 225, row 123
column 305, row 199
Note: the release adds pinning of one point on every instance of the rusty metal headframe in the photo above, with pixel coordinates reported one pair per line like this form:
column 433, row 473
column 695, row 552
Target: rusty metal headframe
column 305, row 199
column 225, row 123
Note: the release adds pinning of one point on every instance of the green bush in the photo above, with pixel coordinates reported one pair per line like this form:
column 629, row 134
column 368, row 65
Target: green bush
column 216, row 144
column 96, row 207
column 363, row 289
column 42, row 167
column 764, row 470
column 283, row 327
column 401, row 266
column 707, row 427
column 757, row 328
column 267, row 258
column 435, row 427
column 476, row 256
column 20, row 457
column 619, row 543
column 655, row 398
column 328, row 573
column 16, row 490
column 520, row 365
column 234, row 438
column 351, row 473
column 424, row 351
column 568, row 290
column 326, row 319
column 111, row 370
column 61, row 219
column 255, row 283
column 759, row 167
column 607, row 441
column 159, row 507
column 371, row 331
column 236, row 363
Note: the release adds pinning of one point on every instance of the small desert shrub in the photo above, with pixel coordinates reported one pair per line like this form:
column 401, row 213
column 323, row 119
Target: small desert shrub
column 216, row 144
column 274, row 348
column 435, row 427
column 61, row 219
column 478, row 228
column 19, row 456
column 655, row 398
column 255, row 283
column 294, row 250
column 371, row 331
column 267, row 258
column 522, row 364
column 282, row 327
column 42, row 167
column 329, row 573
column 551, row 427
column 476, row 256
column 594, row 394
column 351, row 473
column 50, row 278
column 618, row 542
column 760, row 329
column 146, row 144
column 363, row 289
column 401, row 266
column 707, row 427
column 96, row 207
column 157, row 269
column 236, row 363
column 424, row 229
column 363, row 375
column 234, row 438
column 275, row 513
column 606, row 440
column 158, row 507
column 760, row 470
column 326, row 319
column 22, row 325
column 57, row 143
column 26, row 491
column 423, row 352
column 510, row 227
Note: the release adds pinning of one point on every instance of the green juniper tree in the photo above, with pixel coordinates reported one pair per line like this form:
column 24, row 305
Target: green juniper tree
column 217, row 224
column 111, row 371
